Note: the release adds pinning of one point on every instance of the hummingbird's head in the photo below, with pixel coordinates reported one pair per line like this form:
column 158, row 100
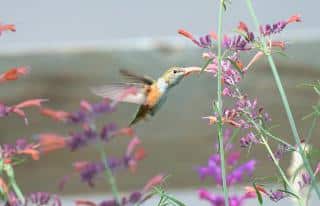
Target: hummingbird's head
column 174, row 75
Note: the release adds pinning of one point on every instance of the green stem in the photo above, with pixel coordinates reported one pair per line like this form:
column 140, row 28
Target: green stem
column 286, row 104
column 267, row 133
column 17, row 190
column 108, row 173
column 310, row 131
column 276, row 163
column 12, row 180
column 219, row 94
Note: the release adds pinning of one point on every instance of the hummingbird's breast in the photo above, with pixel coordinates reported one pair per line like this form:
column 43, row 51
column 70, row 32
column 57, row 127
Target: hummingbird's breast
column 156, row 92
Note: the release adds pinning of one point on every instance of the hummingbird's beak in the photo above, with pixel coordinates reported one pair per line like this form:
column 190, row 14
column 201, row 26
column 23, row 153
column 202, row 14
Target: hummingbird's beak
column 189, row 70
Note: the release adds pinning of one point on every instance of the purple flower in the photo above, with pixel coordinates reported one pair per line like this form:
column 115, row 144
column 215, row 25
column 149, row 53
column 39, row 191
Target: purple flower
column 237, row 174
column 213, row 169
column 107, row 130
column 268, row 29
column 88, row 111
column 109, row 203
column 43, row 198
column 277, row 195
column 20, row 147
column 89, row 170
column 248, row 140
column 13, row 200
column 203, row 42
column 305, row 180
column 237, row 43
column 229, row 75
column 281, row 150
column 4, row 110
column 135, row 197
column 76, row 141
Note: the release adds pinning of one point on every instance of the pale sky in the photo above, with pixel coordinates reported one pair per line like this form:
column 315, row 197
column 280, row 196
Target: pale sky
column 59, row 21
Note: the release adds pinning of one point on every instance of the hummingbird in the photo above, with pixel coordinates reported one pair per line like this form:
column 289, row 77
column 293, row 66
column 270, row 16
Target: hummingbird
column 150, row 94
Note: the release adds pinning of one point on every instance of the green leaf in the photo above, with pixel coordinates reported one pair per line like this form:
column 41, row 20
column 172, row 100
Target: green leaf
column 163, row 194
column 258, row 193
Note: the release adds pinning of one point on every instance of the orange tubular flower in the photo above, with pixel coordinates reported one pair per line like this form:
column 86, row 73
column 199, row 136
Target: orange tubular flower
column 7, row 27
column 3, row 186
column 85, row 203
column 14, row 74
column 154, row 181
column 49, row 142
column 186, row 34
column 280, row 44
column 251, row 191
column 294, row 18
column 57, row 115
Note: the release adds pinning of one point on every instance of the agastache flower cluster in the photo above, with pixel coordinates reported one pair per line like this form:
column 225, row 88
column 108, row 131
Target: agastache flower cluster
column 235, row 175
column 245, row 113
column 12, row 154
column 89, row 134
column 21, row 147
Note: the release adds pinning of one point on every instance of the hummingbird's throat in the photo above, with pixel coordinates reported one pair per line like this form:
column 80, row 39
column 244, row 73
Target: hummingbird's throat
column 162, row 85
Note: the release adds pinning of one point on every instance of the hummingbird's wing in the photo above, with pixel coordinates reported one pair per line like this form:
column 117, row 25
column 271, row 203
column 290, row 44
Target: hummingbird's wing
column 136, row 78
column 119, row 92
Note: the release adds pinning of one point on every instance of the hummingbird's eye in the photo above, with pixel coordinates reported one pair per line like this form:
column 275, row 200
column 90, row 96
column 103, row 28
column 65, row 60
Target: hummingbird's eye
column 175, row 71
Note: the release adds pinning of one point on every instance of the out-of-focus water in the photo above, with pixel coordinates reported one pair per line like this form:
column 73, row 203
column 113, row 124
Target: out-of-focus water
column 190, row 197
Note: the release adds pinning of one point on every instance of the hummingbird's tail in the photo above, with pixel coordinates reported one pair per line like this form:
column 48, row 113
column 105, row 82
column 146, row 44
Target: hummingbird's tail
column 141, row 114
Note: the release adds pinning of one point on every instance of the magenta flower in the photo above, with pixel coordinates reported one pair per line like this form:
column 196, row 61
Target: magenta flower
column 218, row 200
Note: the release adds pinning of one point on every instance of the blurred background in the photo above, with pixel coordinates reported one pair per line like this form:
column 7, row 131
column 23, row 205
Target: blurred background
column 73, row 45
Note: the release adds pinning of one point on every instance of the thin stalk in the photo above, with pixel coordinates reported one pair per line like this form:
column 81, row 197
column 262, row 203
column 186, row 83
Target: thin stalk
column 310, row 131
column 12, row 180
column 219, row 94
column 108, row 173
column 277, row 139
column 286, row 104
column 276, row 163
column 17, row 191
